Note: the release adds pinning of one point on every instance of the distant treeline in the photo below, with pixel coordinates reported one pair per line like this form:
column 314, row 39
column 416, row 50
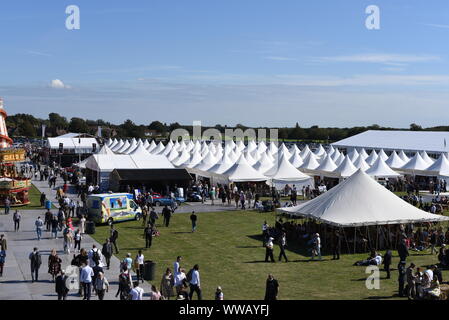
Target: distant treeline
column 25, row 125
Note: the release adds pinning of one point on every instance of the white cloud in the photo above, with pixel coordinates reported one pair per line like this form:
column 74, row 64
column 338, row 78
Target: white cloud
column 443, row 26
column 58, row 84
column 280, row 59
column 390, row 59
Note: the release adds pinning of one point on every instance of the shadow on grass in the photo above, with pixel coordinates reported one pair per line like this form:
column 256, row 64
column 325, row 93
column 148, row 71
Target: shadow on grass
column 247, row 247
column 292, row 247
column 182, row 232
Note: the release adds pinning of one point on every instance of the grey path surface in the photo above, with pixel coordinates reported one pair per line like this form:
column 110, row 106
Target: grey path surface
column 16, row 281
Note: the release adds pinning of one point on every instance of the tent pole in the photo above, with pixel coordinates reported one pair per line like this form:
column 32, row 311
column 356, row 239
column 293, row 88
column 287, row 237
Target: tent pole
column 346, row 239
column 355, row 238
column 377, row 237
column 369, row 238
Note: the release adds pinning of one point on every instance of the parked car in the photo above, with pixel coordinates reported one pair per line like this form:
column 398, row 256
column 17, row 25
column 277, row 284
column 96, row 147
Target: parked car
column 194, row 196
column 160, row 200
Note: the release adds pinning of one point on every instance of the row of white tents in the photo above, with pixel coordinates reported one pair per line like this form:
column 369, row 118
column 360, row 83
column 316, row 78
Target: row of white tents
column 281, row 165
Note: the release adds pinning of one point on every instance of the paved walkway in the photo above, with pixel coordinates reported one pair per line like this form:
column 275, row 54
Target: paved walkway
column 16, row 281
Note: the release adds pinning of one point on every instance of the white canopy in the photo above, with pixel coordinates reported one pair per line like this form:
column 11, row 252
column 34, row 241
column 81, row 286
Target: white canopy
column 372, row 157
column 395, row 161
column 241, row 171
column 439, row 167
column 361, row 201
column 380, row 170
column 296, row 160
column 346, row 168
column 383, row 155
column 426, row 158
column 310, row 163
column 360, row 163
column 403, row 156
column 415, row 163
column 222, row 165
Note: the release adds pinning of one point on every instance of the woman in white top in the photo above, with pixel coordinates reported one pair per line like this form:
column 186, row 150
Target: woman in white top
column 179, row 279
column 82, row 224
column 139, row 265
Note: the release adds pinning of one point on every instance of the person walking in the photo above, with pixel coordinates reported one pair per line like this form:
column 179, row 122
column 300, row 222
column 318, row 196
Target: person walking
column 139, row 265
column 411, row 281
column 39, row 225
column 113, row 238
column 3, row 242
column 179, row 280
column 195, row 284
column 387, row 262
column 54, row 227
column 148, row 235
column 2, row 261
column 60, row 286
column 401, row 278
column 77, row 237
column 282, row 245
column 16, row 218
column 101, row 285
column 68, row 239
column 336, row 245
column 155, row 294
column 316, row 246
column 193, row 219
column 43, row 197
column 54, row 264
column 153, row 217
column 107, row 252
column 82, row 226
column 269, row 250
column 86, row 275
column 166, row 213
column 177, row 265
column 7, row 205
column 48, row 218
column 272, row 288
column 35, row 263
column 167, row 284
column 124, row 285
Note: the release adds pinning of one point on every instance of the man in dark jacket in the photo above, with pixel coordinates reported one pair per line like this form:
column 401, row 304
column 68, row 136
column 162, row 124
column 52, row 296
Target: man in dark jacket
column 113, row 238
column 272, row 288
column 403, row 250
column 60, row 284
column 148, row 235
column 387, row 262
column 35, row 263
column 43, row 198
column 166, row 212
column 336, row 245
column 106, row 251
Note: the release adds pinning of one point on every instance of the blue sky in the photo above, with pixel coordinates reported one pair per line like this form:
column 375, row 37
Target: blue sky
column 253, row 62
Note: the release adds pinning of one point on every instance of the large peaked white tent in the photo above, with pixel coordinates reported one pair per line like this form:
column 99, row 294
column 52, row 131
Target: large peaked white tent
column 361, row 201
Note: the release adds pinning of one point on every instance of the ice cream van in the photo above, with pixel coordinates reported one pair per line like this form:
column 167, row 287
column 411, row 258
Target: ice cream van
column 112, row 207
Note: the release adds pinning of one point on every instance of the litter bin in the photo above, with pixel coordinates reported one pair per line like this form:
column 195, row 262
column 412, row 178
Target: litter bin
column 90, row 227
column 47, row 204
column 149, row 270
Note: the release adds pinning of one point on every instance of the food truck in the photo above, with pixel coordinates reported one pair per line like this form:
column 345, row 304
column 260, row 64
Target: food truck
column 112, row 207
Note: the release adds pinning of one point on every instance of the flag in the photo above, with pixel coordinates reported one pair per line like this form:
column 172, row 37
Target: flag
column 43, row 130
column 445, row 143
column 99, row 132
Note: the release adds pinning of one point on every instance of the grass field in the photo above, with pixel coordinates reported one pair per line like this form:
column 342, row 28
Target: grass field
column 34, row 195
column 229, row 251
